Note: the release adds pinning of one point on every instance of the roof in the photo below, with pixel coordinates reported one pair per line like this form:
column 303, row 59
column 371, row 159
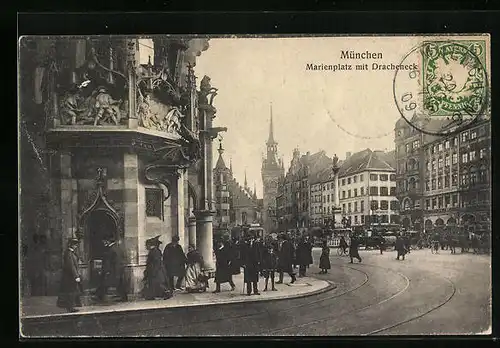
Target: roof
column 366, row 160
column 220, row 163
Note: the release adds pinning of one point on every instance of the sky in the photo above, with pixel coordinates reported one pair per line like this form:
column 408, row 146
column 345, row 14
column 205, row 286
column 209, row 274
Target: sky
column 339, row 112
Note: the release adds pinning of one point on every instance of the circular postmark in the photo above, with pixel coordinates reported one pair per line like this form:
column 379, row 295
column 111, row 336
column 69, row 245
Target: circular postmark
column 444, row 86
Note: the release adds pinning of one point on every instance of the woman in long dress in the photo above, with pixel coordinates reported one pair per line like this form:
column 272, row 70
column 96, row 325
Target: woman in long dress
column 324, row 260
column 195, row 279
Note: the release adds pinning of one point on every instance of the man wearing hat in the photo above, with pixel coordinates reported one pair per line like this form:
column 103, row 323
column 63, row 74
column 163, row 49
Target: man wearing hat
column 114, row 270
column 154, row 274
column 175, row 262
column 71, row 288
column 285, row 259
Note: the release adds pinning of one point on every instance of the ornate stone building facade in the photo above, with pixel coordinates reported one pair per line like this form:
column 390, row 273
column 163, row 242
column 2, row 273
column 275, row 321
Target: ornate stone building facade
column 272, row 170
column 235, row 205
column 444, row 181
column 114, row 148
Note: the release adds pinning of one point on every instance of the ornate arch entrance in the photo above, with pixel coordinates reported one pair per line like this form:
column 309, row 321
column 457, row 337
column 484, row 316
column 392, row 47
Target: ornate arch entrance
column 98, row 222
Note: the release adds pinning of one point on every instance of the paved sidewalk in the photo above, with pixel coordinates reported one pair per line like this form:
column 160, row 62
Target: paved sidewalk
column 45, row 306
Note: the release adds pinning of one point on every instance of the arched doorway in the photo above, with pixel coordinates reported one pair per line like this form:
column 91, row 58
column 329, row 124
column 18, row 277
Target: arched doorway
column 100, row 224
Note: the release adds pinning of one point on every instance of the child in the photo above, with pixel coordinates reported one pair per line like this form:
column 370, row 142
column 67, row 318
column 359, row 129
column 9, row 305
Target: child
column 269, row 266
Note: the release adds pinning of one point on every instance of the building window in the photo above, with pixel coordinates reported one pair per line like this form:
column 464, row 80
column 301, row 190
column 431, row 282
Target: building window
column 454, row 200
column 428, row 204
column 393, row 191
column 427, row 182
column 465, row 136
column 433, row 165
column 343, row 194
column 348, row 181
column 407, row 148
column 482, row 153
column 447, row 161
column 472, row 155
column 333, row 199
column 434, row 203
column 362, row 191
column 394, row 205
column 384, row 205
column 348, row 193
column 416, row 144
column 355, row 192
column 464, row 158
column 343, row 182
column 154, row 202
column 447, row 144
column 349, row 208
column 355, row 207
column 374, row 205
column 362, row 206
column 384, row 191
column 473, row 135
column 440, row 183
column 455, row 141
column 356, row 219
column 355, row 179
column 454, row 179
column 373, row 191
column 435, row 149
column 362, row 219
column 360, row 177
column 433, row 184
column 440, row 202
column 373, row 177
column 447, row 201
column 464, row 179
column 440, row 163
column 473, row 176
column 392, row 177
column 384, row 177
column 446, row 181
column 328, row 198
column 328, row 210
column 428, row 165
column 440, row 147
column 483, row 175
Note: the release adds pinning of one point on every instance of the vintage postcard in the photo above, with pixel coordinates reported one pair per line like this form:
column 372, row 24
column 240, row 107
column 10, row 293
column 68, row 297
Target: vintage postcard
column 263, row 186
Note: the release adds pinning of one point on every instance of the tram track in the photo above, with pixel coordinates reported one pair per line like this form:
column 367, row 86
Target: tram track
column 268, row 312
column 316, row 321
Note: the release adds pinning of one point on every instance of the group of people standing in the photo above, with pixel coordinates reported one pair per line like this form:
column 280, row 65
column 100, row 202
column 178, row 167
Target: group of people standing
column 261, row 257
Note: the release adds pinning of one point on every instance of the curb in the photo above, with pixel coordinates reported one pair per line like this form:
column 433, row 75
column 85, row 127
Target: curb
column 72, row 316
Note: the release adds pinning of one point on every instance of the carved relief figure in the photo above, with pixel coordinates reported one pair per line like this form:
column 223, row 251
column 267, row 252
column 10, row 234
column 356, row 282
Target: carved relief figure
column 98, row 108
column 106, row 107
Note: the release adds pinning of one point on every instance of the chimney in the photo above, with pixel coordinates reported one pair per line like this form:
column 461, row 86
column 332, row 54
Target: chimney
column 347, row 155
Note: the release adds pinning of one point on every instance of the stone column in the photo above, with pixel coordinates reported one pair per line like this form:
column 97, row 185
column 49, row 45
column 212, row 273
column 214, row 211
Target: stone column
column 192, row 229
column 337, row 210
column 204, row 237
column 132, row 48
column 180, row 218
column 66, row 208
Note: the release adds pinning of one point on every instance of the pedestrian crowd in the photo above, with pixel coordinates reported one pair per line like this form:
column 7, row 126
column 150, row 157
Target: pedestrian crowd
column 167, row 271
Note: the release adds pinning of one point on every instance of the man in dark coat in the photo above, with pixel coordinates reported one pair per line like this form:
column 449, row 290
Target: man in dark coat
column 175, row 262
column 223, row 273
column 235, row 248
column 400, row 247
column 155, row 280
column 71, row 288
column 251, row 265
column 285, row 259
column 353, row 249
column 303, row 256
column 114, row 270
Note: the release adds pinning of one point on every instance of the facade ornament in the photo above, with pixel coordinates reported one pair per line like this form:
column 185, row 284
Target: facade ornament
column 98, row 108
column 207, row 92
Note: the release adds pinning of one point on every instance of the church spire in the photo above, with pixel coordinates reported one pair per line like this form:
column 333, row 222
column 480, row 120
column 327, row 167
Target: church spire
column 270, row 140
column 246, row 183
column 231, row 165
column 254, row 190
column 220, row 161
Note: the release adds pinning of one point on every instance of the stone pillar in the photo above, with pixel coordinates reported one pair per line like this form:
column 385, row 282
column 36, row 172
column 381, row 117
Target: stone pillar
column 180, row 218
column 204, row 236
column 132, row 48
column 66, row 208
column 192, row 229
column 337, row 210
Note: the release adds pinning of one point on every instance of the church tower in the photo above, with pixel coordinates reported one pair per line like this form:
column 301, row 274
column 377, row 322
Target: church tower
column 272, row 170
